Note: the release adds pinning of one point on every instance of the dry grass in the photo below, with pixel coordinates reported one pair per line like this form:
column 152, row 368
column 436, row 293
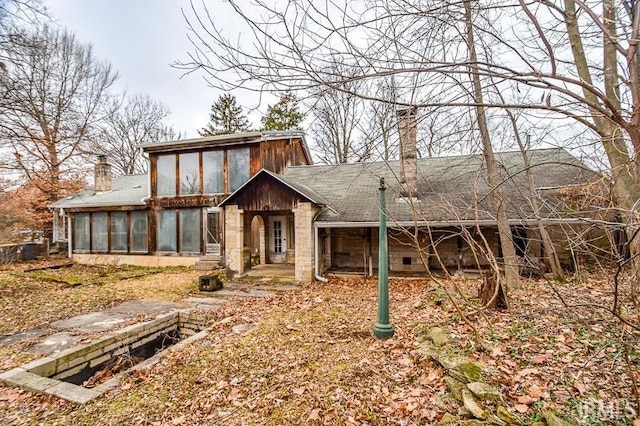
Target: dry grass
column 311, row 359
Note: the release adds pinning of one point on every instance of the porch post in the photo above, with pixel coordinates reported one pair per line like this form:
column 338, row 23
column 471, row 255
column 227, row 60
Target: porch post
column 304, row 259
column 234, row 238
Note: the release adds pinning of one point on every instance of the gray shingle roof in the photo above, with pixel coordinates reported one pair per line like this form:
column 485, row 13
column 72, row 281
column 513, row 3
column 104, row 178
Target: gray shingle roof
column 449, row 188
column 127, row 190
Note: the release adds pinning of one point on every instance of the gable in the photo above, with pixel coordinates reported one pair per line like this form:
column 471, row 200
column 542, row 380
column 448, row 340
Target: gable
column 266, row 192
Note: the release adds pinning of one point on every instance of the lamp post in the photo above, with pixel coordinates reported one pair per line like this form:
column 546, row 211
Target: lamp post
column 383, row 329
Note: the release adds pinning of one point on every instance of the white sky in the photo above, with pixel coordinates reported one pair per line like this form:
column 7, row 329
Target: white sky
column 141, row 38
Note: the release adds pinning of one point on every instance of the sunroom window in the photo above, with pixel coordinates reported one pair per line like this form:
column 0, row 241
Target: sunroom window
column 166, row 175
column 139, row 233
column 167, row 231
column 238, row 167
column 189, row 174
column 213, row 171
column 119, row 231
column 81, row 231
column 99, row 232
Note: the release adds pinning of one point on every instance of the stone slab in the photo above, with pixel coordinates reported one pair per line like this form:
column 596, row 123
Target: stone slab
column 24, row 335
column 92, row 322
column 55, row 343
column 143, row 307
column 72, row 392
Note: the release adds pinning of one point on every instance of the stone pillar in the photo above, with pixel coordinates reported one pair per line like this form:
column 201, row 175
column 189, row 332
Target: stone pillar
column 262, row 241
column 304, row 244
column 234, row 238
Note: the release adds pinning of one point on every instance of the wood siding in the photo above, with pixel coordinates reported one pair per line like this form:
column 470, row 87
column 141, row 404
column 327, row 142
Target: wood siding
column 267, row 195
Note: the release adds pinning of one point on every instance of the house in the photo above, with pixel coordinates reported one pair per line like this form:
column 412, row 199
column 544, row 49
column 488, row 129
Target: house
column 256, row 198
column 169, row 216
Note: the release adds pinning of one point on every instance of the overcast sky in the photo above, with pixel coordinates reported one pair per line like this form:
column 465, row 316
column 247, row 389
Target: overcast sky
column 141, row 38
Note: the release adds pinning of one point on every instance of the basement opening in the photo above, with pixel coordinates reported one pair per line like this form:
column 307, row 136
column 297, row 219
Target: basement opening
column 84, row 372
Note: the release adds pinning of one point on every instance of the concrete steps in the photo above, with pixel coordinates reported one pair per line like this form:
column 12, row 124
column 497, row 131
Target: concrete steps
column 207, row 263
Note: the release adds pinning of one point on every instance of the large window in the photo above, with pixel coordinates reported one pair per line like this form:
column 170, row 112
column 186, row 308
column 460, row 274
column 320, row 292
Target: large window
column 190, row 231
column 213, row 171
column 238, row 167
column 81, row 231
column 99, row 232
column 166, row 232
column 189, row 174
column 119, row 231
column 139, row 232
column 166, row 175
column 115, row 232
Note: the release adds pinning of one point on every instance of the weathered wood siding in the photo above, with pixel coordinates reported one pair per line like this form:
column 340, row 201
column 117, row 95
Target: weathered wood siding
column 267, row 195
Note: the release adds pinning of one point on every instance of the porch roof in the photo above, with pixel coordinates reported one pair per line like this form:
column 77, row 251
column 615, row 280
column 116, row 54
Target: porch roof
column 449, row 189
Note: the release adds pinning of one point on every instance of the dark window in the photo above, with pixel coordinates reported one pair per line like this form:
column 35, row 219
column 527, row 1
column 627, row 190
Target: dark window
column 166, row 175
column 139, row 232
column 238, row 167
column 119, row 231
column 406, row 261
column 99, row 232
column 81, row 231
column 189, row 174
column 213, row 171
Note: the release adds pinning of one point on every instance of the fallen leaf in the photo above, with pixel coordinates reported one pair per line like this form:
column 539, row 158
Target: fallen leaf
column 298, row 391
column 535, row 392
column 521, row 408
column 539, row 359
column 314, row 415
column 579, row 386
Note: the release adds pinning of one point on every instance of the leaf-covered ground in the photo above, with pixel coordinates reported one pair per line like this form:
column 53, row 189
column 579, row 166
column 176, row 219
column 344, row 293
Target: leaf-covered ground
column 311, row 359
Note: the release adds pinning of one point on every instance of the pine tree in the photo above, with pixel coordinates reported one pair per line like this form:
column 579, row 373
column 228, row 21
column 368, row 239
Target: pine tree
column 284, row 115
column 226, row 117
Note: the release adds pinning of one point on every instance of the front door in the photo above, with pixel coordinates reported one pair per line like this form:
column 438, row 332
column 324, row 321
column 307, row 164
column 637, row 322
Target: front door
column 277, row 239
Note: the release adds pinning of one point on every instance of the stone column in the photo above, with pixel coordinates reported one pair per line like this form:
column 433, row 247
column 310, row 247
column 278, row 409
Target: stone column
column 234, row 238
column 262, row 241
column 304, row 244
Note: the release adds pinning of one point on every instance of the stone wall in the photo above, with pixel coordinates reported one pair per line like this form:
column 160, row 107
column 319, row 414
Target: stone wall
column 234, row 238
column 304, row 244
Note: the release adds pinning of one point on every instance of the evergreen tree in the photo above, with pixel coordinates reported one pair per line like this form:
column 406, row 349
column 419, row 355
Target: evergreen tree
column 284, row 115
column 226, row 117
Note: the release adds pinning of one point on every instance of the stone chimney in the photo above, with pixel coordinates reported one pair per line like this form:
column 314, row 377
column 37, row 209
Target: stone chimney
column 408, row 129
column 102, row 175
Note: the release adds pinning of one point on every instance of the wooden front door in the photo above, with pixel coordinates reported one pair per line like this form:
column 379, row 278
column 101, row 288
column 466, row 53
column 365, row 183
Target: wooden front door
column 277, row 239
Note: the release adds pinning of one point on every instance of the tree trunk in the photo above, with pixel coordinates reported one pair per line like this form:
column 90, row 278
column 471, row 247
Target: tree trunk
column 512, row 277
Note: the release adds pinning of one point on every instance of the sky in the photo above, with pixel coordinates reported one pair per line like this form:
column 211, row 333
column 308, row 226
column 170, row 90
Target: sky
column 141, row 39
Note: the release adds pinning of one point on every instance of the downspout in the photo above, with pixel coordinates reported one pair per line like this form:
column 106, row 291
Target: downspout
column 70, row 238
column 316, row 274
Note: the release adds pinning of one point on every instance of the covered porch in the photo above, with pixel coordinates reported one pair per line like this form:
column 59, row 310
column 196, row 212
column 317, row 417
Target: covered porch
column 269, row 222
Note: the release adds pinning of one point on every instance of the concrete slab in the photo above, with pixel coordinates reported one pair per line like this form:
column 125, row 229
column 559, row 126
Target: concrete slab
column 72, row 393
column 55, row 343
column 93, row 321
column 144, row 307
column 24, row 335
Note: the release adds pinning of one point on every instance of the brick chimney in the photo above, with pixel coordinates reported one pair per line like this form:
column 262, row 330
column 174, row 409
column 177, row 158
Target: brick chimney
column 408, row 129
column 102, row 175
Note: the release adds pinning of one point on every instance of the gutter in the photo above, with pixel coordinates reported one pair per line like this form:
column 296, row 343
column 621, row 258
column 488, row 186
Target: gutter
column 433, row 224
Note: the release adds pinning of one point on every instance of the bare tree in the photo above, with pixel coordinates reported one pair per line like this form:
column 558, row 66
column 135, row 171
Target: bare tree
column 130, row 121
column 334, row 127
column 53, row 89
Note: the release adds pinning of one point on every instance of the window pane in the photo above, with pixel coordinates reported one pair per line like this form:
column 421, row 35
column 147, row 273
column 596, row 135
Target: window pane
column 166, row 232
column 189, row 174
column 213, row 170
column 81, row 231
column 99, row 229
column 238, row 167
column 166, row 175
column 139, row 236
column 119, row 231
column 190, row 231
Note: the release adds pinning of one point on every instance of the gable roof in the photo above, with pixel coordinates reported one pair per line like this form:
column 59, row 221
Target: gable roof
column 450, row 189
column 301, row 190
column 127, row 190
